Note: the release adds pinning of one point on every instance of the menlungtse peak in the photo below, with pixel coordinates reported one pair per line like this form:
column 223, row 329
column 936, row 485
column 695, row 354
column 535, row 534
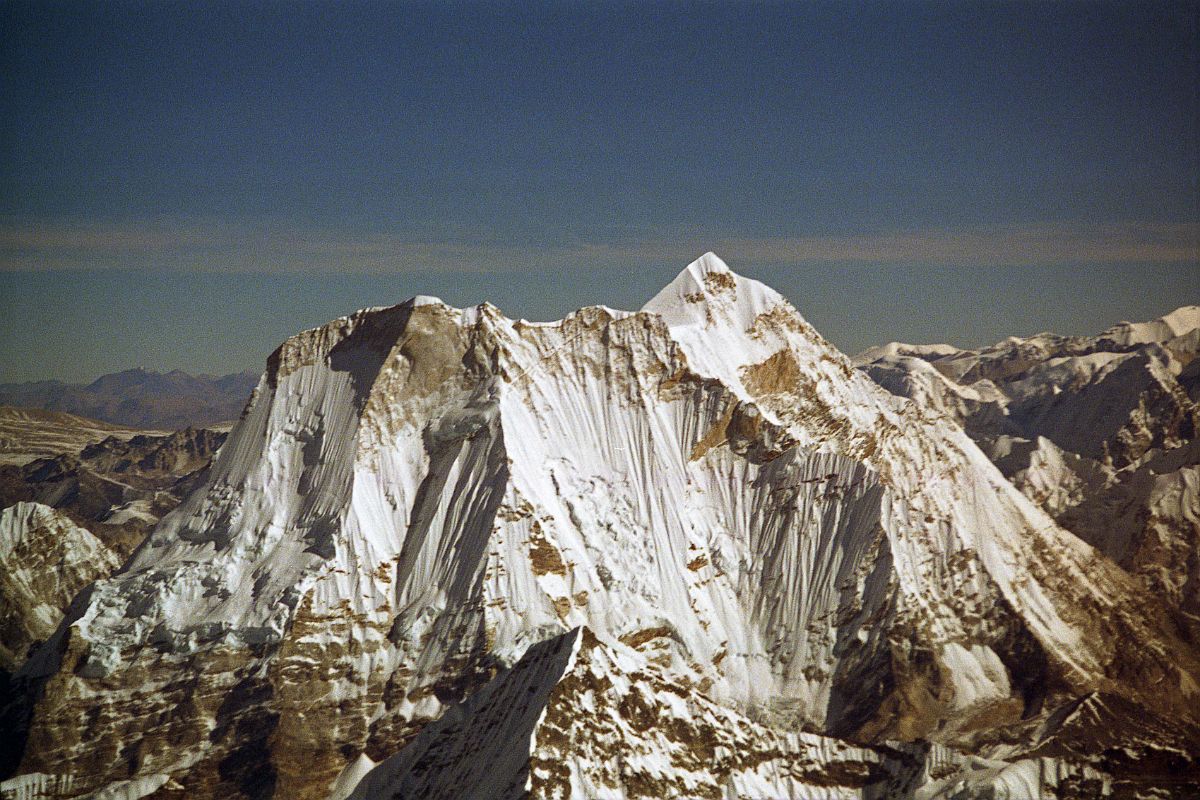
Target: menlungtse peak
column 420, row 499
column 695, row 283
column 699, row 270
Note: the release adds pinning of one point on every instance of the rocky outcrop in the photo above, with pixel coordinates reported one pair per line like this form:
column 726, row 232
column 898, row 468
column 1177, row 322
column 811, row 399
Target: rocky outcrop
column 46, row 560
column 146, row 459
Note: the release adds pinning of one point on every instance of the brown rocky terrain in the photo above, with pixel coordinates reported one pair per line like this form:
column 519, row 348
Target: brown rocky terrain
column 78, row 496
column 117, row 488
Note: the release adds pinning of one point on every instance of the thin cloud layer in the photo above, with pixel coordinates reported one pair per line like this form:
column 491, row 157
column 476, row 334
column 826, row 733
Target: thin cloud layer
column 221, row 247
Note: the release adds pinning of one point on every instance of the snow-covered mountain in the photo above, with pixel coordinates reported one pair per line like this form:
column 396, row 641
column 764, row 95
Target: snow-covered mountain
column 683, row 552
column 1101, row 431
column 1112, row 398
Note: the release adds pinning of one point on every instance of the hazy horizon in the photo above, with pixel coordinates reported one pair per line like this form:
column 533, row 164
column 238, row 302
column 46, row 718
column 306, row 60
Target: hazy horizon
column 186, row 186
column 249, row 314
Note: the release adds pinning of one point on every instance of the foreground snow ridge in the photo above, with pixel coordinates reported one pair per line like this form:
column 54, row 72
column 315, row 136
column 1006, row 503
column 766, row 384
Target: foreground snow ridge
column 682, row 552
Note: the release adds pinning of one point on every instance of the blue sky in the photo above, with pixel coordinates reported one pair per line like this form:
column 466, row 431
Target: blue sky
column 183, row 185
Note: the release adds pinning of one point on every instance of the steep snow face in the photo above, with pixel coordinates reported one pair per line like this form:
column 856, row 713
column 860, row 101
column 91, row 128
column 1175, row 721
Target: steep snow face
column 416, row 496
column 45, row 559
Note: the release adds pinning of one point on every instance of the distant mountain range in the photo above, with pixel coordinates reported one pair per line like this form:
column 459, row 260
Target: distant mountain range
column 141, row 398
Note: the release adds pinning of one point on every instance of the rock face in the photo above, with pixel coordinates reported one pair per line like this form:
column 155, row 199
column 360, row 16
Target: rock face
column 1100, row 431
column 47, row 559
column 688, row 551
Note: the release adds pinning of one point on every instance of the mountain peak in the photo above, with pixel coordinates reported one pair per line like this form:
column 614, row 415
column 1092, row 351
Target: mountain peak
column 1183, row 319
column 1176, row 323
column 706, row 271
column 707, row 290
column 707, row 263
